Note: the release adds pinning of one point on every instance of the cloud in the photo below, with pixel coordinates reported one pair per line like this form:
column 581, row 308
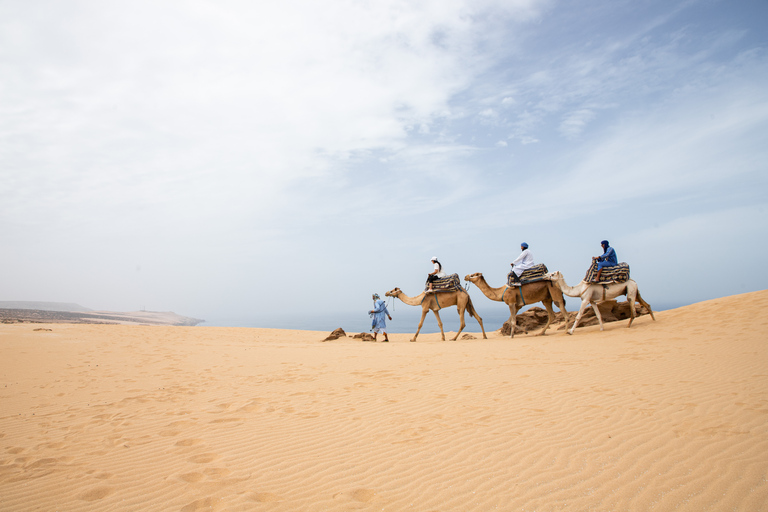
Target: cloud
column 573, row 123
column 222, row 147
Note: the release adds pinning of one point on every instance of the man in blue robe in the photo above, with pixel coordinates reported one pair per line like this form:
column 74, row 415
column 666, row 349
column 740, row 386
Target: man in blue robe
column 608, row 259
column 379, row 313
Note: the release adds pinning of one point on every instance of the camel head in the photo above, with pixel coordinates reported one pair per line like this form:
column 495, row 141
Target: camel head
column 393, row 293
column 473, row 277
column 555, row 276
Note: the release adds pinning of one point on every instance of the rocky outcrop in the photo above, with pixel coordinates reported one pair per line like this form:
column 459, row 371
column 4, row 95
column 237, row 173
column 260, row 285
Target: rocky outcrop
column 336, row 334
column 536, row 317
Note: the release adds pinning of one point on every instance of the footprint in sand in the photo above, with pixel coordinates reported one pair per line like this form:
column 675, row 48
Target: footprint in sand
column 203, row 504
column 192, row 477
column 204, row 458
column 188, row 442
column 217, row 472
column 227, row 420
column 97, row 493
column 264, row 497
column 361, row 495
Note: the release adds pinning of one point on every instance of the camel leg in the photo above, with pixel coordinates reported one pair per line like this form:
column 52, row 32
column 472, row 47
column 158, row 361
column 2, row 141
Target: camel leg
column 440, row 323
column 421, row 322
column 557, row 296
column 461, row 324
column 645, row 305
column 584, row 304
column 631, row 300
column 480, row 321
column 473, row 314
column 512, row 318
column 550, row 316
column 597, row 314
column 561, row 307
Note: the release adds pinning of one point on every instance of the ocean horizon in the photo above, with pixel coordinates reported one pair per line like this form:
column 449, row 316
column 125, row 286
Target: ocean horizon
column 405, row 319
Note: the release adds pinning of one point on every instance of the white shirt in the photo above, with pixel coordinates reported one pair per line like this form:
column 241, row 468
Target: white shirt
column 440, row 273
column 523, row 262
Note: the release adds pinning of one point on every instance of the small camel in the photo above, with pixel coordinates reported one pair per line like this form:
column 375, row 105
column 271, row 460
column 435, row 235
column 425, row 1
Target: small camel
column 437, row 300
column 591, row 293
column 517, row 297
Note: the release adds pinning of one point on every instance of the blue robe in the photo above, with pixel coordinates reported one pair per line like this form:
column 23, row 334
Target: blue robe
column 379, row 314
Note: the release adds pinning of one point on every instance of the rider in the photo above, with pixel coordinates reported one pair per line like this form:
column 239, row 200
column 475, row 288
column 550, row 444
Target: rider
column 608, row 259
column 522, row 263
column 436, row 274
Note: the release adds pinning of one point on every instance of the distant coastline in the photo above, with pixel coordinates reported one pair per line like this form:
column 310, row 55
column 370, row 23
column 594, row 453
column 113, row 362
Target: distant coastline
column 54, row 312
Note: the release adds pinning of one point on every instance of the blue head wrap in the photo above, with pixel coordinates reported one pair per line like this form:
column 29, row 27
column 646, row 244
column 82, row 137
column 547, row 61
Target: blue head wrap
column 375, row 296
column 524, row 245
column 605, row 242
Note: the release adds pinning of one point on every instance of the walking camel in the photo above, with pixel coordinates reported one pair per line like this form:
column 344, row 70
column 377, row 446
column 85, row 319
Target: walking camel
column 517, row 297
column 591, row 293
column 436, row 301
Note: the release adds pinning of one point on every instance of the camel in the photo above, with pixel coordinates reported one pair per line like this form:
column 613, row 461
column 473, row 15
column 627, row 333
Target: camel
column 517, row 297
column 591, row 293
column 435, row 301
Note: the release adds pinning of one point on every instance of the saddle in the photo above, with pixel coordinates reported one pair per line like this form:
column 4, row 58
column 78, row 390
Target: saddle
column 616, row 274
column 446, row 284
column 531, row 275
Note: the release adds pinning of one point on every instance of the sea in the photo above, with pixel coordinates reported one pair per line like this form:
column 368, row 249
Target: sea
column 405, row 319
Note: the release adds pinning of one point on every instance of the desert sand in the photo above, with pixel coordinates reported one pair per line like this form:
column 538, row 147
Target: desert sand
column 667, row 415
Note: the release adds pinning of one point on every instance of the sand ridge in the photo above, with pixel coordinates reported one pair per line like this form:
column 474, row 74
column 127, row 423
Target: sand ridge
column 666, row 415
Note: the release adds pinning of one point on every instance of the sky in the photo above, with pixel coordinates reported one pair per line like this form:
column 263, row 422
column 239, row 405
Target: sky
column 233, row 159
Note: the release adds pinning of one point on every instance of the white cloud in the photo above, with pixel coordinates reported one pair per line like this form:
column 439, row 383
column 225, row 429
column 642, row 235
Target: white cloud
column 574, row 122
column 234, row 144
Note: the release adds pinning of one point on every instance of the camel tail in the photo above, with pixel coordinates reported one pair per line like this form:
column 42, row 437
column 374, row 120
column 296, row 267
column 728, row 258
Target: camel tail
column 646, row 305
column 471, row 309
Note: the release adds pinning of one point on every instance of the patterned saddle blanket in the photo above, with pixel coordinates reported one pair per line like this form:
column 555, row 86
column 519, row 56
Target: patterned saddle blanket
column 446, row 284
column 617, row 274
column 533, row 274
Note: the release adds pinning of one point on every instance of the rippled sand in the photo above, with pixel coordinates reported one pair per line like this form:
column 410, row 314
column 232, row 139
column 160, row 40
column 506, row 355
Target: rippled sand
column 667, row 415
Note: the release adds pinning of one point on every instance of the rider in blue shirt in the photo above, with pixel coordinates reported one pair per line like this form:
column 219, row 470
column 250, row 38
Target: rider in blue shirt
column 608, row 259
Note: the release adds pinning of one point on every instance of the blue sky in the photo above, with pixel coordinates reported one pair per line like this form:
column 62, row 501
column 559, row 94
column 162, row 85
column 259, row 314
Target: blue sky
column 239, row 159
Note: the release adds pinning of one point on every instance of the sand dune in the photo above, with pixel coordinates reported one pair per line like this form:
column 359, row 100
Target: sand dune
column 667, row 415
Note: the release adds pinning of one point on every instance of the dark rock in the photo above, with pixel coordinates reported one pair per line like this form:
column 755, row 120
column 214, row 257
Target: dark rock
column 336, row 334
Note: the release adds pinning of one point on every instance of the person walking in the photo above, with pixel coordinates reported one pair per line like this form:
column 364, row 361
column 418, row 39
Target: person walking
column 379, row 313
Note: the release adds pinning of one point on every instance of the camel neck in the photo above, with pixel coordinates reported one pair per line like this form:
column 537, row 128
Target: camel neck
column 488, row 291
column 571, row 291
column 411, row 301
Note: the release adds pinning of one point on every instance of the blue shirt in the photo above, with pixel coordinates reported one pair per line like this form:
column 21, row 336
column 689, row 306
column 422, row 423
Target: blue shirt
column 609, row 257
